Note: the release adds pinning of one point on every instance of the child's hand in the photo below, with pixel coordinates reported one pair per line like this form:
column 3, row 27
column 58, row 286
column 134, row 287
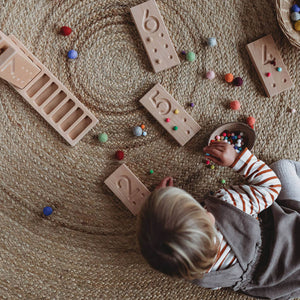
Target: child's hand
column 221, row 153
column 168, row 181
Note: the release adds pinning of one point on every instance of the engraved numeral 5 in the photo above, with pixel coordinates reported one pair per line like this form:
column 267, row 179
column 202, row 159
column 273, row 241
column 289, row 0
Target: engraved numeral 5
column 162, row 104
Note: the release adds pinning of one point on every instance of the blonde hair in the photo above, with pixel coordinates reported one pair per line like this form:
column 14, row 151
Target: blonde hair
column 176, row 235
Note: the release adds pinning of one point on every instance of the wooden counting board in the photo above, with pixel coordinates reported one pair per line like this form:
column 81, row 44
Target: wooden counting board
column 266, row 59
column 44, row 92
column 155, row 36
column 163, row 108
column 128, row 188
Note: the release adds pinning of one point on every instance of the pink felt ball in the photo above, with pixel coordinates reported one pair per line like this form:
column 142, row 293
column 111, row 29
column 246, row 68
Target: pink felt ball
column 235, row 105
column 251, row 121
column 210, row 75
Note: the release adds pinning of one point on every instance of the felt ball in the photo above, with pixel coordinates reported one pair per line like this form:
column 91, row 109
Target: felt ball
column 102, row 137
column 137, row 131
column 65, row 30
column 207, row 162
column 190, row 56
column 143, row 126
column 119, row 155
column 223, row 181
column 293, row 110
column 47, row 211
column 183, row 52
column 295, row 8
column 151, row 171
column 211, row 42
column 295, row 16
column 176, row 111
column 210, row 75
column 175, row 128
column 235, row 105
column 238, row 81
column 167, row 120
column 297, row 26
column 72, row 54
column 279, row 69
column 192, row 104
column 212, row 167
column 251, row 121
column 268, row 74
column 145, row 133
column 229, row 77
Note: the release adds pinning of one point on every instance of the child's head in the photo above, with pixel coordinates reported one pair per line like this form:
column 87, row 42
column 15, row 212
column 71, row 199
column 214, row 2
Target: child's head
column 176, row 234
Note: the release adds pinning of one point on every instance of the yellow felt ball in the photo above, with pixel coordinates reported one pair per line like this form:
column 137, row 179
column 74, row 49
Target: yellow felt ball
column 297, row 26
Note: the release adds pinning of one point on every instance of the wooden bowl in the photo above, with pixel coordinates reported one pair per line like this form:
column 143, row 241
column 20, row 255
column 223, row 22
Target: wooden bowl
column 283, row 11
column 249, row 134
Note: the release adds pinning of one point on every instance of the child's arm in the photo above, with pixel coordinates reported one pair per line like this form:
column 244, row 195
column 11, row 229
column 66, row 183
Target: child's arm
column 263, row 185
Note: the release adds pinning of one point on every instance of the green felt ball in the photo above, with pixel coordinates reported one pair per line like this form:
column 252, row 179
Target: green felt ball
column 175, row 128
column 190, row 56
column 223, row 181
column 151, row 171
column 103, row 137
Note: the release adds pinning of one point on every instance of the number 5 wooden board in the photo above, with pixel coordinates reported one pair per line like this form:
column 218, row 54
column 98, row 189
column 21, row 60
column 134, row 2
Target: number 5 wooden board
column 128, row 188
column 170, row 114
column 155, row 36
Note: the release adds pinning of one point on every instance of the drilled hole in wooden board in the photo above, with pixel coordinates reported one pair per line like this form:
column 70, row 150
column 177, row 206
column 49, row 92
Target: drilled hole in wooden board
column 80, row 127
column 38, row 85
column 63, row 110
column 55, row 102
column 71, row 119
column 3, row 49
column 46, row 94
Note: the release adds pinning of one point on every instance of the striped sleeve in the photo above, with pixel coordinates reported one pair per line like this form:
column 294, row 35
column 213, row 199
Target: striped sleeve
column 262, row 189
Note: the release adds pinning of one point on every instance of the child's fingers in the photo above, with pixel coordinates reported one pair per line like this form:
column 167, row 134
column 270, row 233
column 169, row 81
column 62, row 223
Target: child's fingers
column 214, row 159
column 170, row 181
column 214, row 151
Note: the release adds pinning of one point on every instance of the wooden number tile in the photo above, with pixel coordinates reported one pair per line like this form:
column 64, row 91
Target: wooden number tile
column 170, row 114
column 15, row 67
column 269, row 66
column 128, row 188
column 155, row 36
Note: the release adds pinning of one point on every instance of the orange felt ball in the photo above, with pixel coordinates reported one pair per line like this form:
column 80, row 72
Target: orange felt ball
column 235, row 105
column 229, row 77
column 251, row 121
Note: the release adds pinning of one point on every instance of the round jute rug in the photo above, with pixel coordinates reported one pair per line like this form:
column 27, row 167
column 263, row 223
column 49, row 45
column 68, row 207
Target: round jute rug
column 87, row 248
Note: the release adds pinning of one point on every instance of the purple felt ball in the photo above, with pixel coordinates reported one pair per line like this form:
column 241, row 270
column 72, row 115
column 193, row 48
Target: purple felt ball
column 238, row 81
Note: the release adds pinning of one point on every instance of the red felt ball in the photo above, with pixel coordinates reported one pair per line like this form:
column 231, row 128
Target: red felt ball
column 119, row 155
column 65, row 30
column 251, row 121
column 235, row 105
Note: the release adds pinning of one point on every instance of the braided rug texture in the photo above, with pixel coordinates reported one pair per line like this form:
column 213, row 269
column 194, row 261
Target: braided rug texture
column 87, row 248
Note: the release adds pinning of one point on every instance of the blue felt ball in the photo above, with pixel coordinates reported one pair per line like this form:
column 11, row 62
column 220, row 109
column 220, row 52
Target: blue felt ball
column 47, row 211
column 295, row 8
column 137, row 131
column 212, row 42
column 72, row 54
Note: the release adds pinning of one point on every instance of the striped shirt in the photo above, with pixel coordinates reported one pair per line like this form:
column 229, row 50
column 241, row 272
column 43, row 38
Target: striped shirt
column 262, row 190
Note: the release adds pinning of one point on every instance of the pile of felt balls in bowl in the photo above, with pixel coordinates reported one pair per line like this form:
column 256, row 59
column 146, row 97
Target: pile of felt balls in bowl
column 295, row 16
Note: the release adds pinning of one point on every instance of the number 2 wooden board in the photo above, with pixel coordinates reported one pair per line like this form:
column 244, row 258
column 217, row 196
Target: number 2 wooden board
column 155, row 36
column 128, row 188
column 170, row 114
column 267, row 59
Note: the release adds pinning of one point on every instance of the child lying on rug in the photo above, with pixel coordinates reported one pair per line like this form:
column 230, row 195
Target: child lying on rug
column 241, row 238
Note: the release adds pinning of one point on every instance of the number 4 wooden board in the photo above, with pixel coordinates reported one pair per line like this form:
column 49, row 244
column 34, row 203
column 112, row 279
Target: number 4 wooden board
column 267, row 61
column 155, row 36
column 128, row 188
column 170, row 114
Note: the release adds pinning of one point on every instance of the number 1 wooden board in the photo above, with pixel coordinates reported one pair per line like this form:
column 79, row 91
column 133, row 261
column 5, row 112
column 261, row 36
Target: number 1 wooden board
column 267, row 59
column 155, row 36
column 170, row 114
column 128, row 188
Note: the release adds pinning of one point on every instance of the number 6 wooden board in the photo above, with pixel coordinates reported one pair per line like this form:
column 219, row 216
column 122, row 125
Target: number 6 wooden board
column 128, row 188
column 170, row 114
column 155, row 36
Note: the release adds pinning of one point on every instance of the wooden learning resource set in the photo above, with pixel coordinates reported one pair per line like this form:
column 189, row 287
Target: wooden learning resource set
column 72, row 120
